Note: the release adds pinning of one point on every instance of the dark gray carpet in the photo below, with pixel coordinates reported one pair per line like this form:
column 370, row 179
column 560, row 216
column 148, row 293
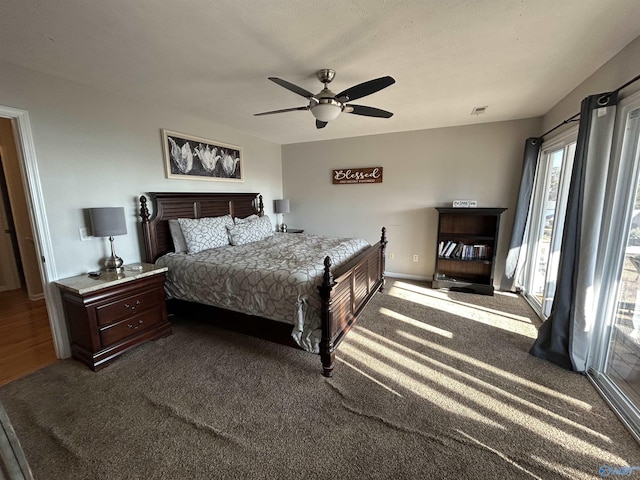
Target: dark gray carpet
column 430, row 384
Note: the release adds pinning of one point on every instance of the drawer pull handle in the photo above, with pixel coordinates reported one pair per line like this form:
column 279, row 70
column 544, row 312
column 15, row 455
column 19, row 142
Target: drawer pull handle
column 133, row 327
column 132, row 307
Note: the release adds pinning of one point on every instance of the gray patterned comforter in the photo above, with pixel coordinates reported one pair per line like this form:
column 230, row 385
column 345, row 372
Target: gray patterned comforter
column 275, row 278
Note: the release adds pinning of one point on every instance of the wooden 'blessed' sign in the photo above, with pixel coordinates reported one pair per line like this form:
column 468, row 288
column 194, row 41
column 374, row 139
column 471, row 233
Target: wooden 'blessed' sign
column 357, row 175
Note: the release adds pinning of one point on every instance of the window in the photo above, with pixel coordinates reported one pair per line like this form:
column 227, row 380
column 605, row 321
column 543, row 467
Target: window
column 544, row 231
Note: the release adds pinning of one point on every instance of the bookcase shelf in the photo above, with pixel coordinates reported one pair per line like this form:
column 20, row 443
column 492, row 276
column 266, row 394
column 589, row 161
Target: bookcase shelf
column 466, row 249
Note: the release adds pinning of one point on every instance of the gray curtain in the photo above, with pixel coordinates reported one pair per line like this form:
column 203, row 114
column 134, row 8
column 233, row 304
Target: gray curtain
column 529, row 165
column 565, row 337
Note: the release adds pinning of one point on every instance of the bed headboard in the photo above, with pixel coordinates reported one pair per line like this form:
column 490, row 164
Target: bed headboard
column 155, row 230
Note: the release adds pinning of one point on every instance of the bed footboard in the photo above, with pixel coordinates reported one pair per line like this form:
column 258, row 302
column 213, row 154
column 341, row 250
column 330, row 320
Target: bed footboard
column 345, row 295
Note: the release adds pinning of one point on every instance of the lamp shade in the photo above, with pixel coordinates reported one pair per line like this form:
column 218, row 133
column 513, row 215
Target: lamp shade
column 282, row 206
column 107, row 221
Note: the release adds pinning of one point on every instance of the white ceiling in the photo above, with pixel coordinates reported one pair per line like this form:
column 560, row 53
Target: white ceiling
column 213, row 57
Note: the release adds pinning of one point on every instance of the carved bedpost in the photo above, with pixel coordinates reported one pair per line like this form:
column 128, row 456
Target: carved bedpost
column 146, row 234
column 260, row 206
column 383, row 244
column 144, row 211
column 326, row 318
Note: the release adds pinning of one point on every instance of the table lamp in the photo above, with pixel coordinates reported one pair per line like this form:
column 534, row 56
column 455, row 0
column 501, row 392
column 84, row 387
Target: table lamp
column 282, row 207
column 107, row 222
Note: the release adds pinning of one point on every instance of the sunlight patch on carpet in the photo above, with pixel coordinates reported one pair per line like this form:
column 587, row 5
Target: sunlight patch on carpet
column 504, row 321
column 415, row 323
column 475, row 363
column 435, row 394
column 463, row 393
column 369, row 377
column 446, row 295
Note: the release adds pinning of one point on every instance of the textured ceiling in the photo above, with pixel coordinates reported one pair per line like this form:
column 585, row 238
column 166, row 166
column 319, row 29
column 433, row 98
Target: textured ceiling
column 212, row 58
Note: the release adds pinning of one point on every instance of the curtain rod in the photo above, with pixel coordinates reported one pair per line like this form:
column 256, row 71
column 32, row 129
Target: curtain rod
column 633, row 80
column 568, row 120
column 573, row 117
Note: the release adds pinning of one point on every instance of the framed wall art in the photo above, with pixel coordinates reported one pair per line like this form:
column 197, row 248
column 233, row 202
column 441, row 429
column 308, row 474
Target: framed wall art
column 193, row 158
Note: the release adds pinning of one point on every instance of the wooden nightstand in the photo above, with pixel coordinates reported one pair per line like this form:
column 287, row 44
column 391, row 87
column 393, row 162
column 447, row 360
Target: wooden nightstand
column 113, row 313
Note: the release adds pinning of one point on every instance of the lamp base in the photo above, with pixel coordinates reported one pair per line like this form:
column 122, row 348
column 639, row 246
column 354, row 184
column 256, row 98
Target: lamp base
column 283, row 228
column 114, row 264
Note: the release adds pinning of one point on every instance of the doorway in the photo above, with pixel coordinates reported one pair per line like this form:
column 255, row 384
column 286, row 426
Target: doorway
column 19, row 252
column 26, row 342
column 32, row 231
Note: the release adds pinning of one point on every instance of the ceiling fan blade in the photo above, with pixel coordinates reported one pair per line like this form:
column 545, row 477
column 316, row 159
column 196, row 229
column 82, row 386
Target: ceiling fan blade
column 294, row 88
column 321, row 124
column 367, row 111
column 364, row 89
column 281, row 111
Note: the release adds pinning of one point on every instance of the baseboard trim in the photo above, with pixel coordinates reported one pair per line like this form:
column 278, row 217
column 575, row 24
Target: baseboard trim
column 404, row 276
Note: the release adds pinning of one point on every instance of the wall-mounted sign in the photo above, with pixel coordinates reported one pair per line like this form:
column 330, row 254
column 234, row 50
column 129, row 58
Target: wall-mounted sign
column 357, row 175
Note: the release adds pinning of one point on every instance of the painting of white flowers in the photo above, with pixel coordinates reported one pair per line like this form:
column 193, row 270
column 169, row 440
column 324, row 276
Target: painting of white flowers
column 189, row 157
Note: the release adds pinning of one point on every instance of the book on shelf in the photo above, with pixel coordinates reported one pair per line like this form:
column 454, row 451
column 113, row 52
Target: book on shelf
column 441, row 247
column 462, row 251
column 449, row 250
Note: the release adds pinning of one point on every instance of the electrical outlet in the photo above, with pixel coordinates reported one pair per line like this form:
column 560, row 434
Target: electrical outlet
column 84, row 234
column 391, row 256
column 415, row 258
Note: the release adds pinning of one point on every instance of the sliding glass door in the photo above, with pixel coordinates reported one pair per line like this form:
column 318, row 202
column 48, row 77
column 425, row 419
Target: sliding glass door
column 615, row 362
column 546, row 221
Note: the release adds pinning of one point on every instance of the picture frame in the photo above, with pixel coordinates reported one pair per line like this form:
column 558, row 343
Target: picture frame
column 188, row 157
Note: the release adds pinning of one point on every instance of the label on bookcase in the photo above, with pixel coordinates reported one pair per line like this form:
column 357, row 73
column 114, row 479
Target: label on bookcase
column 465, row 203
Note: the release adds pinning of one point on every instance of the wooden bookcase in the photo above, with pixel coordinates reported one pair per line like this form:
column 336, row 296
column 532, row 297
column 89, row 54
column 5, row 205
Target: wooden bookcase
column 466, row 249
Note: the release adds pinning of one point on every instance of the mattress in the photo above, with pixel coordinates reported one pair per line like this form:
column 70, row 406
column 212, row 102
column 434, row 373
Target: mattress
column 275, row 278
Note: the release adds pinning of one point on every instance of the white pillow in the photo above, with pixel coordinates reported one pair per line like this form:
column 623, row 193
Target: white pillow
column 251, row 231
column 250, row 218
column 205, row 233
column 179, row 243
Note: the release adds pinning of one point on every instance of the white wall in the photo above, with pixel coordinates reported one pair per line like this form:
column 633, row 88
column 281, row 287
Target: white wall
column 422, row 169
column 95, row 149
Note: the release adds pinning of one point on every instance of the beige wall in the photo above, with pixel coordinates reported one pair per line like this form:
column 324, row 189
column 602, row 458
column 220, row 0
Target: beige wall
column 616, row 72
column 20, row 211
column 422, row 169
column 95, row 149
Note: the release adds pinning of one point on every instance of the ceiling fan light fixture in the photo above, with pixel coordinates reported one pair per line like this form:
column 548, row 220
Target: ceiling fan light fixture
column 328, row 109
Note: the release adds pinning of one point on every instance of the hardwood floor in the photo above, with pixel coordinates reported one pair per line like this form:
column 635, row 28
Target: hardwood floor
column 26, row 344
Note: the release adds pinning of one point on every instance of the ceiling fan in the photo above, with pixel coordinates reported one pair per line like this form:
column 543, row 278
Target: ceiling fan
column 326, row 105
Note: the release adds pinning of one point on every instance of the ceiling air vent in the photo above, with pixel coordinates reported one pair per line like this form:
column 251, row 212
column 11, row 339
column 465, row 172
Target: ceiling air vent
column 479, row 110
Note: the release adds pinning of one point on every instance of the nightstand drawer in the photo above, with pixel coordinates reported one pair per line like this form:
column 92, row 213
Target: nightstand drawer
column 130, row 326
column 112, row 312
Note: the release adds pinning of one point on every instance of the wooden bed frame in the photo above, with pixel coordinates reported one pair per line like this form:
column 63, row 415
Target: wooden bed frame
column 343, row 293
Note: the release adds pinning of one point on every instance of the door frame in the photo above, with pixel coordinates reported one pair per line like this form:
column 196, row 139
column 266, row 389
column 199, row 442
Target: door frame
column 38, row 219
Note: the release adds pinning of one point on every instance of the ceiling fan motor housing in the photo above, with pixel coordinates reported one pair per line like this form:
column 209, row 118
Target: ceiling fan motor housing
column 326, row 75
